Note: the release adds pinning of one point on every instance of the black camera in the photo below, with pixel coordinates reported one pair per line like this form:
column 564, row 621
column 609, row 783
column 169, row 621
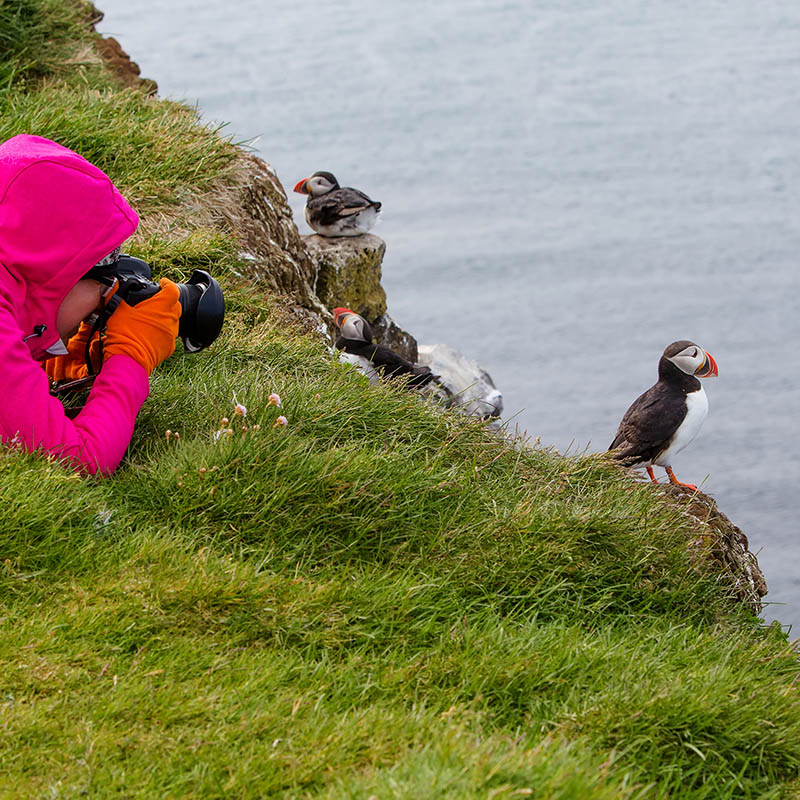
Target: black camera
column 201, row 299
column 202, row 312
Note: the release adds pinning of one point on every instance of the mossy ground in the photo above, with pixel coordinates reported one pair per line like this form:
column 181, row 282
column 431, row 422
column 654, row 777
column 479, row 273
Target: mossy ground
column 379, row 599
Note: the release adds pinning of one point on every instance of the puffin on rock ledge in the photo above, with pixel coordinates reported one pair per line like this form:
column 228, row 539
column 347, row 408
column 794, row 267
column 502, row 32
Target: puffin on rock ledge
column 666, row 418
column 356, row 338
column 333, row 210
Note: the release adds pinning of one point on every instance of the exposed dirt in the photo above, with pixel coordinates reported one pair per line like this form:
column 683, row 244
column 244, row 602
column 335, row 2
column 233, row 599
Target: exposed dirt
column 119, row 62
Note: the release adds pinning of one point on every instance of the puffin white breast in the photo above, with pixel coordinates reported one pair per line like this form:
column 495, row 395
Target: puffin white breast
column 696, row 411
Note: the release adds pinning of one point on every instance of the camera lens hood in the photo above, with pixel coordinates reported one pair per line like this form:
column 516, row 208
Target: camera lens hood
column 202, row 311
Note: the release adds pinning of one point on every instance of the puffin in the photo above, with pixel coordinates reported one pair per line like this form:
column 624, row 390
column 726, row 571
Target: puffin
column 356, row 338
column 333, row 210
column 663, row 420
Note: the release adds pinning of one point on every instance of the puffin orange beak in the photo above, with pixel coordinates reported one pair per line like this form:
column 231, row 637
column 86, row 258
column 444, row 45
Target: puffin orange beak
column 708, row 369
column 301, row 187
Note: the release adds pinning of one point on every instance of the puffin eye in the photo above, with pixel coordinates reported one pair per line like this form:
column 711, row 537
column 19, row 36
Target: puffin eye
column 694, row 354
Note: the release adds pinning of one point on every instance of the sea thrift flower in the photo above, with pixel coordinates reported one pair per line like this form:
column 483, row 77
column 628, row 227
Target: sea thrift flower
column 239, row 410
column 281, row 422
column 274, row 400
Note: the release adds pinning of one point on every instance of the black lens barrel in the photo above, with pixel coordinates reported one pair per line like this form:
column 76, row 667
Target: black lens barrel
column 202, row 311
column 201, row 298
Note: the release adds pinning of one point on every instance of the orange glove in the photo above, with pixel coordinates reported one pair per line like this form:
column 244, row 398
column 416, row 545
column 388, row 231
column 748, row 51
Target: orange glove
column 73, row 364
column 146, row 332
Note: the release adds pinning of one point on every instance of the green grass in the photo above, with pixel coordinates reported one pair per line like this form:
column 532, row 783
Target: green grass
column 155, row 150
column 41, row 38
column 380, row 599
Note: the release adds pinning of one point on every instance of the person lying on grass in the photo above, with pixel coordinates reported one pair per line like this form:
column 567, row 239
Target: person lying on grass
column 62, row 222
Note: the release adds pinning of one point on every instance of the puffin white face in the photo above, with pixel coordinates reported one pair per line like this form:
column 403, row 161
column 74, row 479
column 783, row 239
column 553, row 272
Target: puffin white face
column 318, row 185
column 352, row 327
column 693, row 360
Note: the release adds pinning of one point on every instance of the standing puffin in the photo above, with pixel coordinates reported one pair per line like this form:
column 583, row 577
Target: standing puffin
column 356, row 338
column 333, row 210
column 663, row 420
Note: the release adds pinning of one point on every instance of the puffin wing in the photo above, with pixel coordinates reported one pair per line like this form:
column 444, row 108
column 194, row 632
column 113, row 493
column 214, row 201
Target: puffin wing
column 388, row 362
column 391, row 362
column 357, row 199
column 648, row 425
column 357, row 347
column 331, row 207
column 395, row 366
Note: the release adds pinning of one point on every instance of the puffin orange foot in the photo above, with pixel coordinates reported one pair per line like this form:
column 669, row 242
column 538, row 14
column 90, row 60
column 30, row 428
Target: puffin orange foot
column 652, row 476
column 673, row 479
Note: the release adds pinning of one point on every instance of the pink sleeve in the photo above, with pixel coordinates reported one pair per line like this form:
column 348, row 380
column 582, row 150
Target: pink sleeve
column 105, row 425
column 96, row 440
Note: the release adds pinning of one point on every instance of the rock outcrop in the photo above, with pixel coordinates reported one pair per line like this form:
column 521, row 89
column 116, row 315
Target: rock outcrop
column 470, row 388
column 724, row 545
column 119, row 63
column 388, row 332
column 126, row 71
column 260, row 217
column 347, row 272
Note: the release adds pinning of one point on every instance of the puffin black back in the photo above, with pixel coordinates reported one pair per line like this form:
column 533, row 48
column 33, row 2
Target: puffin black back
column 357, row 339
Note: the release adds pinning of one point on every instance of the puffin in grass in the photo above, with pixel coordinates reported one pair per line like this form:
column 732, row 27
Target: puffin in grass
column 356, row 339
column 333, row 210
column 666, row 418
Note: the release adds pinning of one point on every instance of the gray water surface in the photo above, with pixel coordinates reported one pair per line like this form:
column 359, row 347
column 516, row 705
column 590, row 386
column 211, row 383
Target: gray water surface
column 567, row 188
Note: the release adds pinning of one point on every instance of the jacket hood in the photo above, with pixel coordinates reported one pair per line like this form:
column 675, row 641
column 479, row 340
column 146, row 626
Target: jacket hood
column 59, row 215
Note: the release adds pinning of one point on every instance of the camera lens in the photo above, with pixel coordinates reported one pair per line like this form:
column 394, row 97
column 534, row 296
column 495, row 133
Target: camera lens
column 201, row 299
column 202, row 311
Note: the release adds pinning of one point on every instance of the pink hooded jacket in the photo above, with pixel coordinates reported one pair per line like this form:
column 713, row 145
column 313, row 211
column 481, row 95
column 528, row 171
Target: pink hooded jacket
column 59, row 215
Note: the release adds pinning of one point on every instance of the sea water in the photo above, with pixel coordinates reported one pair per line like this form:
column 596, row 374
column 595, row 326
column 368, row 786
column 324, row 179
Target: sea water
column 567, row 188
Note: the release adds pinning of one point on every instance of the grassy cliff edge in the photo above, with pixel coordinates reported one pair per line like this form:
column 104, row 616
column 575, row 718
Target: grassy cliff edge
column 377, row 599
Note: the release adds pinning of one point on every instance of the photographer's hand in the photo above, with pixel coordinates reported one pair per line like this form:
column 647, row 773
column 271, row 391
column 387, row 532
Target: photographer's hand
column 146, row 331
column 72, row 365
